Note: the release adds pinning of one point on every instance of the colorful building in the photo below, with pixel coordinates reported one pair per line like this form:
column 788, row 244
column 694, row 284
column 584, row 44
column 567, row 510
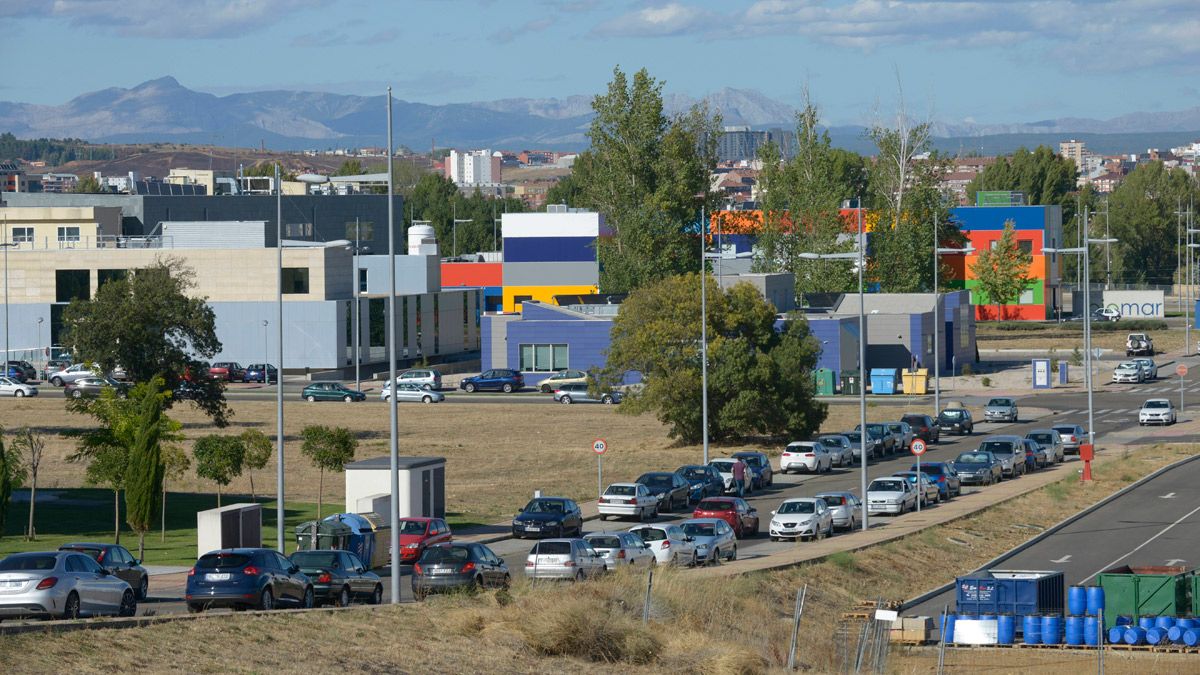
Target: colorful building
column 550, row 253
column 487, row 276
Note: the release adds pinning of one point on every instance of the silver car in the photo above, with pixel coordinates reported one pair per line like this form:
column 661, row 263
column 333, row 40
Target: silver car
column 1129, row 371
column 11, row 387
column 407, row 391
column 1009, row 450
column 892, row 495
column 669, row 544
column 571, row 559
column 577, row 392
column 1051, row 442
column 846, row 508
column 61, row 585
column 839, row 446
column 714, row 538
column 801, row 517
column 70, row 374
column 1001, row 410
column 903, row 433
column 621, row 549
column 1149, row 367
column 1072, row 436
column 427, row 379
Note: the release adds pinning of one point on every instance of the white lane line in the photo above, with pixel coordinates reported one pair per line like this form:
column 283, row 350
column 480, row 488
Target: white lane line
column 1103, row 412
column 1175, row 561
column 1063, row 559
column 1142, row 545
column 1169, row 495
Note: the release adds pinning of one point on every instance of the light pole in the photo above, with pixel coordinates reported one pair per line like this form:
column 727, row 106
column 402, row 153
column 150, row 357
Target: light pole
column 6, row 245
column 393, row 431
column 703, row 334
column 1187, row 303
column 937, row 301
column 41, row 352
column 266, row 350
column 279, row 480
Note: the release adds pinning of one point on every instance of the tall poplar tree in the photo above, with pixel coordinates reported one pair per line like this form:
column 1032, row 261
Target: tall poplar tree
column 144, row 473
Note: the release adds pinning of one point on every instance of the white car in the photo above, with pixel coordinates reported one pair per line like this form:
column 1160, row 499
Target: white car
column 1157, row 411
column 627, row 500
column 411, row 392
column 724, row 467
column 669, row 544
column 1149, row 368
column 11, row 387
column 806, row 456
column 71, row 373
column 801, row 517
column 892, row 495
column 621, row 549
column 1129, row 371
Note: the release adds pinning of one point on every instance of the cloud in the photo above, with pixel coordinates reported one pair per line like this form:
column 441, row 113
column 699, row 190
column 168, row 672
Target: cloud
column 527, row 28
column 658, row 20
column 155, row 19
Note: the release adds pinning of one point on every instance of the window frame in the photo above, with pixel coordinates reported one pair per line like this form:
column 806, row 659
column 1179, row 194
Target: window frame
column 530, row 355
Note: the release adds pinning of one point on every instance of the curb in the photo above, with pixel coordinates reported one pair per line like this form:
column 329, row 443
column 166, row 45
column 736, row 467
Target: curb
column 1049, row 531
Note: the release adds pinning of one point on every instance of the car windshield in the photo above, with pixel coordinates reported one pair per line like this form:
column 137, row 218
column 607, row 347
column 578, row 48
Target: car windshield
column 999, row 402
column 832, row 440
column 217, row 561
column 437, row 554
column 723, row 466
column 656, row 479
column 21, row 563
column 545, row 506
column 832, row 500
column 972, row 458
column 1157, row 404
column 887, row 486
column 652, row 534
column 1128, row 364
column 315, row 558
column 623, row 490
column 604, row 542
column 1065, row 430
column 797, row 507
column 951, row 414
column 412, row 527
column 1042, row 438
column 714, row 505
column 700, row 529
column 854, row 437
column 695, row 474
column 998, row 447
column 752, row 460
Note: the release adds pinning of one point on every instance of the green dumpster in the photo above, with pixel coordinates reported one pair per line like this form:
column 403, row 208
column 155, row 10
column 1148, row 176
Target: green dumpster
column 824, row 378
column 1145, row 591
column 323, row 534
column 851, row 385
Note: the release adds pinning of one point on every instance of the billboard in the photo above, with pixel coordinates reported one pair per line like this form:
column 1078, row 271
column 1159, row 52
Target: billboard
column 1135, row 304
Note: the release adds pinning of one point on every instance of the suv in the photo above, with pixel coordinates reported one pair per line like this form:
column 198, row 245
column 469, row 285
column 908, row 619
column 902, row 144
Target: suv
column 1010, row 450
column 424, row 378
column 499, row 379
column 1139, row 344
column 259, row 372
column 1001, row 410
column 555, row 381
column 24, row 368
column 247, row 577
column 923, row 427
column 957, row 420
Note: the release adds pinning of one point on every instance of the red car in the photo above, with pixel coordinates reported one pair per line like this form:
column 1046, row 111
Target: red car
column 229, row 371
column 418, row 533
column 736, row 511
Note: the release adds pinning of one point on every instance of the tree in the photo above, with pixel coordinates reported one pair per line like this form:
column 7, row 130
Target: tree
column 1044, row 177
column 144, row 475
column 107, row 466
column 87, row 185
column 566, row 191
column 1142, row 213
column 328, row 448
column 219, row 458
column 267, row 170
column 350, row 167
column 31, row 445
column 258, row 453
column 12, row 474
column 175, row 464
column 150, row 324
column 1002, row 271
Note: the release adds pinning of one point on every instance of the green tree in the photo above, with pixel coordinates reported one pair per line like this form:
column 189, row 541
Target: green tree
column 1002, row 271
column 30, row 445
column 106, row 467
column 1043, row 176
column 144, row 474
column 350, row 167
column 566, row 191
column 219, row 458
column 328, row 448
column 87, row 185
column 1142, row 213
column 175, row 465
column 258, row 453
column 12, row 474
column 150, row 324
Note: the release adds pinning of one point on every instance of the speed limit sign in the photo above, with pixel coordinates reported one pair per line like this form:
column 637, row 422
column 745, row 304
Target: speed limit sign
column 918, row 447
column 599, row 446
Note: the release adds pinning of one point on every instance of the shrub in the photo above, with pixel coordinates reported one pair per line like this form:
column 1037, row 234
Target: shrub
column 967, row 369
column 844, row 560
column 1076, row 356
column 986, row 381
column 588, row 627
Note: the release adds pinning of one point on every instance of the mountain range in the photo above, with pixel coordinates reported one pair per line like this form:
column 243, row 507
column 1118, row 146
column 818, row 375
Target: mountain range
column 163, row 110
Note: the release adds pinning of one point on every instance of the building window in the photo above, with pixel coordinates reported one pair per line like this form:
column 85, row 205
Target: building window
column 72, row 285
column 360, row 231
column 404, row 313
column 437, row 323
column 297, row 230
column 22, row 235
column 362, row 280
column 105, row 276
column 518, row 299
column 542, row 358
column 1025, row 245
column 295, row 280
column 378, row 322
column 466, row 324
column 1026, row 297
column 68, row 234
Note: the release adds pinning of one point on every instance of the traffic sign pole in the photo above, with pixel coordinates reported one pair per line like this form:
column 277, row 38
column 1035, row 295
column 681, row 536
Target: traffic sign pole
column 918, row 448
column 599, row 446
column 1181, row 370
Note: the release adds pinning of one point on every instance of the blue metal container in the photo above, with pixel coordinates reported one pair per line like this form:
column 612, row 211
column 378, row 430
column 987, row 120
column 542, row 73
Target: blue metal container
column 1074, row 632
column 1031, row 629
column 1156, row 635
column 1175, row 633
column 1051, row 629
column 1095, row 600
column 1146, row 622
column 1191, row 636
column 1164, row 622
column 1116, row 634
column 1124, row 620
column 1006, row 629
column 1091, row 630
column 1077, row 600
column 947, row 628
column 1134, row 635
column 1015, row 592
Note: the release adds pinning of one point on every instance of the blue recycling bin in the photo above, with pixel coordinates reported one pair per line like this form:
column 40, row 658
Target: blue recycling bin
column 1063, row 377
column 884, row 380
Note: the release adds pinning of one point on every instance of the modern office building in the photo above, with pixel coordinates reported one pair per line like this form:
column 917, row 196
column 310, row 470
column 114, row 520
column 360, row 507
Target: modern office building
column 900, row 330
column 550, row 253
column 741, row 143
column 477, row 167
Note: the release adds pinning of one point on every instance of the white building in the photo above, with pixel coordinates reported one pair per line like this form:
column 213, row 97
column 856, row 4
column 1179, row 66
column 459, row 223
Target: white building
column 477, row 167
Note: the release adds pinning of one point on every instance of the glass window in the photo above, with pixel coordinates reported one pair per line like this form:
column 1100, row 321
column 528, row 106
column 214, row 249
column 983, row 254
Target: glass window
column 362, row 280
column 1026, row 297
column 68, row 234
column 1026, row 246
column 527, row 357
column 72, row 285
column 377, row 322
column 105, row 276
column 544, row 358
column 541, row 357
column 295, row 280
column 561, row 358
column 297, row 230
column 437, row 323
column 360, row 231
column 22, row 235
column 404, row 315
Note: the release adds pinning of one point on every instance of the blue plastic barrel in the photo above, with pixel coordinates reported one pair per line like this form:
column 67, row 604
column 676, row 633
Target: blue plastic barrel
column 1124, row 621
column 987, row 617
column 1116, row 635
column 1156, row 635
column 1095, row 600
column 1146, row 622
column 1077, row 604
column 1074, row 630
column 1031, row 628
column 1134, row 635
column 1006, row 629
column 1175, row 633
column 1191, row 636
column 1189, row 622
column 1091, row 630
column 947, row 628
column 1051, row 629
column 1164, row 622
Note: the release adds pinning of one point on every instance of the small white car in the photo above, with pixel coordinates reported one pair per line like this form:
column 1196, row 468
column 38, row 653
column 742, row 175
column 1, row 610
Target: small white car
column 669, row 544
column 627, row 500
column 806, row 456
column 621, row 549
column 724, row 466
column 1149, row 368
column 409, row 391
column 802, row 517
column 1128, row 371
column 11, row 387
column 892, row 495
column 1157, row 411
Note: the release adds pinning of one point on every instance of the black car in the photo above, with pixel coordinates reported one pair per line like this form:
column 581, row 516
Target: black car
column 445, row 567
column 705, row 480
column 90, row 387
column 117, row 560
column 956, row 420
column 673, row 492
column 186, row 391
column 339, row 577
column 247, row 578
column 923, row 427
column 548, row 517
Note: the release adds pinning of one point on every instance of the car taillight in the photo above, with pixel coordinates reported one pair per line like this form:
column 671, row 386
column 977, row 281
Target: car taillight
column 417, row 568
column 569, row 563
column 100, row 558
column 666, row 543
column 621, row 553
column 809, row 454
column 469, row 567
column 48, row 582
column 192, row 572
column 530, row 563
column 325, row 578
column 251, row 570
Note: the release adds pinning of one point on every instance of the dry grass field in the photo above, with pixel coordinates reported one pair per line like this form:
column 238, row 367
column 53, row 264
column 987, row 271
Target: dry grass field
column 1064, row 340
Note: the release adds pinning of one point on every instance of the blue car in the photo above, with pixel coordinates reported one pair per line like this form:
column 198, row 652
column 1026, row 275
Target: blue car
column 760, row 468
column 704, row 479
column 247, row 578
column 943, row 474
column 496, row 379
column 260, row 372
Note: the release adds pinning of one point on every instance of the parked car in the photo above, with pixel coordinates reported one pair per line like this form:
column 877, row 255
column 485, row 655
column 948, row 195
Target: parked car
column 738, row 512
column 805, row 457
column 229, row 371
column 1072, row 436
column 339, row 577
column 1051, row 441
column 260, row 372
column 892, row 495
column 13, row 371
column 331, row 391
column 715, row 540
column 53, row 366
column 978, row 467
column 874, row 445
column 705, row 480
column 570, row 559
column 943, row 476
column 1035, row 456
column 1106, row 314
column 117, row 560
column 956, row 420
column 627, row 500
column 621, row 549
column 578, row 393
column 760, row 468
column 12, row 387
column 425, row 378
column 1001, row 409
column 669, row 544
column 243, row 578
column 1010, row 452
column 923, row 427
column 70, row 374
column 90, row 387
column 497, row 379
column 1128, row 371
column 845, row 507
column 724, row 466
column 409, row 392
column 801, row 517
column 1139, row 344
column 548, row 516
column 839, row 448
column 555, row 381
column 883, row 433
column 419, row 533
column 1149, row 367
column 445, row 567
column 24, row 369
column 669, row 488
column 926, row 489
column 903, row 434
column 61, row 585
column 1157, row 411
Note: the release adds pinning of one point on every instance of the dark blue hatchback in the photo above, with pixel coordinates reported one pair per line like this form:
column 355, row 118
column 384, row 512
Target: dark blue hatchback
column 245, row 578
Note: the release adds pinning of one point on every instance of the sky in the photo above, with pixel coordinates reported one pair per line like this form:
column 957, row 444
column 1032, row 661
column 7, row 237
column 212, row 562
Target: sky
column 985, row 61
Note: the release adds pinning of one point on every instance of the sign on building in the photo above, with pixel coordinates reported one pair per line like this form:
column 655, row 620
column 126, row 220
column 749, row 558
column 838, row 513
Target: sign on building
column 1041, row 374
column 1135, row 304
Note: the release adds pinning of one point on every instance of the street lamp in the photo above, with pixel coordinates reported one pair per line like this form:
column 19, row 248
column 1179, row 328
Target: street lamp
column 39, row 342
column 707, row 255
column 393, row 429
column 1187, row 309
column 266, row 352
column 1087, row 320
column 937, row 329
column 6, row 245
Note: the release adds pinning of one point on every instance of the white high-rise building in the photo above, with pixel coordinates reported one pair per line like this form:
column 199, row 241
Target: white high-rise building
column 477, row 167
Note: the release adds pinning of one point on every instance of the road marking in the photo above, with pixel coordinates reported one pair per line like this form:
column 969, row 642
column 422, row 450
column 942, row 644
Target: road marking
column 1169, row 495
column 1175, row 561
column 1142, row 545
column 1063, row 559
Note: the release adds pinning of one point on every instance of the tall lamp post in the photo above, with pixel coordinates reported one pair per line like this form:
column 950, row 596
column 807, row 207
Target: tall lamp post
column 1187, row 304
column 937, row 328
column 279, row 480
column 393, row 429
column 455, row 221
column 6, row 245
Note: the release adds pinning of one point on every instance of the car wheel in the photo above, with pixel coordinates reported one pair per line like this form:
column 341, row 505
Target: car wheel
column 56, row 381
column 143, row 588
column 695, row 559
column 426, row 399
column 818, row 534
column 545, row 389
column 194, row 609
column 348, row 398
column 469, row 388
column 606, row 399
column 507, row 388
column 71, row 606
column 310, row 398
column 19, row 393
column 427, row 387
column 506, row 582
column 654, row 512
column 128, row 604
column 266, row 601
column 377, row 595
column 716, row 557
column 309, row 598
column 77, row 394
column 565, row 400
column 579, row 576
column 343, row 598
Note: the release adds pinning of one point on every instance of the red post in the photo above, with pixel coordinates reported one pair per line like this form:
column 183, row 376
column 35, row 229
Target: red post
column 1086, row 453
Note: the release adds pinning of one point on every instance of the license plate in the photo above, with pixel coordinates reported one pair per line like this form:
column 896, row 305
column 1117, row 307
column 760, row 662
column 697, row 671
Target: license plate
column 531, row 528
column 10, row 584
column 224, row 576
column 439, row 570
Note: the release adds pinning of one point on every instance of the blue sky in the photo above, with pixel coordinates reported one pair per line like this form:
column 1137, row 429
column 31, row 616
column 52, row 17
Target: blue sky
column 981, row 60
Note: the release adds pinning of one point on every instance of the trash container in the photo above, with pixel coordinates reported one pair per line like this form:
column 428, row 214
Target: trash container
column 322, row 535
column 1063, row 377
column 916, row 381
column 824, row 379
column 883, row 381
column 361, row 540
column 851, row 385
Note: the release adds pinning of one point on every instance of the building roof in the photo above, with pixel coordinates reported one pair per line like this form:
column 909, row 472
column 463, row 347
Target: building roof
column 376, row 463
column 886, row 303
